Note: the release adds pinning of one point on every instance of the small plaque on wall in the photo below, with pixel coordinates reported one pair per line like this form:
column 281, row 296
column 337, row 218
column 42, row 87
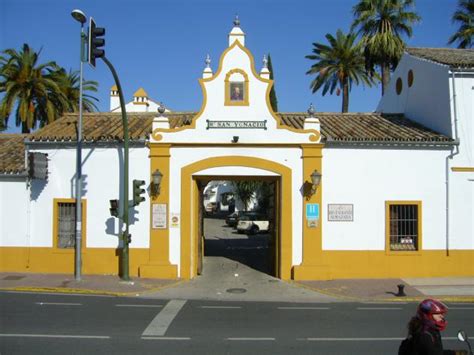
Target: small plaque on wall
column 159, row 216
column 340, row 212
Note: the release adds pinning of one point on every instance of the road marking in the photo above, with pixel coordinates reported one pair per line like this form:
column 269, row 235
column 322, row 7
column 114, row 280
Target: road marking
column 362, row 339
column 379, row 308
column 58, row 304
column 159, row 325
column 56, row 336
column 384, row 303
column 221, row 307
column 251, row 339
column 140, row 305
column 166, row 338
column 57, row 294
column 450, row 308
column 317, row 308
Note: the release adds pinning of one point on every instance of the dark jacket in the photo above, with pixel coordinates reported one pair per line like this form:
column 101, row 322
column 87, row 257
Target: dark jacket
column 428, row 342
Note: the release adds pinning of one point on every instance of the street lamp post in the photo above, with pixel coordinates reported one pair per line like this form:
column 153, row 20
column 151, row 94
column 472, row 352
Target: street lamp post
column 79, row 16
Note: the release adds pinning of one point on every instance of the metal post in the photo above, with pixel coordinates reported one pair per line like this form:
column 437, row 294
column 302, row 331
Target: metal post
column 78, row 244
column 124, row 272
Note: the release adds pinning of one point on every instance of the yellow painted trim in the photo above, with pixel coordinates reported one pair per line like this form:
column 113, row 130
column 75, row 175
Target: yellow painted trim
column 158, row 264
column 419, row 250
column 315, row 135
column 227, row 100
column 140, row 103
column 189, row 203
column 56, row 201
column 463, row 169
column 48, row 260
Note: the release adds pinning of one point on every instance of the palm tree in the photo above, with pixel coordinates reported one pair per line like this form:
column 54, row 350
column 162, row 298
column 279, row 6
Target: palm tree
column 338, row 65
column 27, row 84
column 464, row 15
column 245, row 191
column 382, row 24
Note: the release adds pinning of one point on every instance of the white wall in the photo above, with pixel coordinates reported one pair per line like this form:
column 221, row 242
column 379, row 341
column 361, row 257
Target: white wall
column 427, row 101
column 101, row 171
column 369, row 177
column 13, row 212
column 290, row 157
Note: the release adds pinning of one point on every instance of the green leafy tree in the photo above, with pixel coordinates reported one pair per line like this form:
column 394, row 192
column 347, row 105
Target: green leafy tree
column 273, row 97
column 382, row 23
column 246, row 190
column 338, row 65
column 464, row 16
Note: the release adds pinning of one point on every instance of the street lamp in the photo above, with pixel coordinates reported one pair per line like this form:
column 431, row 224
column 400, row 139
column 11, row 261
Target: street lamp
column 80, row 17
column 315, row 181
column 156, row 178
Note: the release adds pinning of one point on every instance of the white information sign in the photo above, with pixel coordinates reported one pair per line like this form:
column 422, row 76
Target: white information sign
column 159, row 216
column 341, row 212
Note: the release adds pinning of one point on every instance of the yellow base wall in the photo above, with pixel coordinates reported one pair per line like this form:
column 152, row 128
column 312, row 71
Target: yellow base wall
column 377, row 264
column 50, row 260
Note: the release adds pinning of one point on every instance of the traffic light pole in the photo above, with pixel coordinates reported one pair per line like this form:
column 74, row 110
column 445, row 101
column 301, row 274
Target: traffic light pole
column 78, row 241
column 124, row 272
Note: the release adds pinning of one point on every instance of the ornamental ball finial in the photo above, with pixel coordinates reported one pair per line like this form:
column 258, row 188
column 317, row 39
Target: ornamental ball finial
column 265, row 61
column 236, row 21
column 311, row 110
column 161, row 108
column 208, row 61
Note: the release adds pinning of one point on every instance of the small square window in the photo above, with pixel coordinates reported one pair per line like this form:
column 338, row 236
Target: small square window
column 403, row 226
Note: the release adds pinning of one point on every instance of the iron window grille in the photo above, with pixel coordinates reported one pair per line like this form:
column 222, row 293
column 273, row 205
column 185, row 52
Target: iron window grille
column 404, row 227
column 66, row 225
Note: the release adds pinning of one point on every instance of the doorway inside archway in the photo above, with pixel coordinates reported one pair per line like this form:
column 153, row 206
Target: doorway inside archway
column 239, row 222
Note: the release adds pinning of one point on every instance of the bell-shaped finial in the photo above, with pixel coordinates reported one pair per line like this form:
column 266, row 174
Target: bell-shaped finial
column 311, row 110
column 265, row 61
column 161, row 108
column 237, row 21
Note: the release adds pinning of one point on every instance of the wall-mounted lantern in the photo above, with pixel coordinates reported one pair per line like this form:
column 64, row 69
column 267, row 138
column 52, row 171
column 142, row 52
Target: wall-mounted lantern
column 315, row 181
column 156, row 182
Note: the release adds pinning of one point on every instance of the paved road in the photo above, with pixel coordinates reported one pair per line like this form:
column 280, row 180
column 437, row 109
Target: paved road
column 59, row 324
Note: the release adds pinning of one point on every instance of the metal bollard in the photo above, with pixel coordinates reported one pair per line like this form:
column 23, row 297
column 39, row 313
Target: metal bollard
column 401, row 291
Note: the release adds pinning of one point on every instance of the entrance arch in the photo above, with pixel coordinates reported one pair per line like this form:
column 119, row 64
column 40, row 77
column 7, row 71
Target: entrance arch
column 190, row 209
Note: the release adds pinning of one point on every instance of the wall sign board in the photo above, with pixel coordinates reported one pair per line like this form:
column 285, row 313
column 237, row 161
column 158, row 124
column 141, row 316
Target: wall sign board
column 340, row 212
column 159, row 216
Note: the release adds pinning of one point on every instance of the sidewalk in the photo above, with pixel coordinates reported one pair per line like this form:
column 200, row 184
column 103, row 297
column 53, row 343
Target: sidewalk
column 450, row 289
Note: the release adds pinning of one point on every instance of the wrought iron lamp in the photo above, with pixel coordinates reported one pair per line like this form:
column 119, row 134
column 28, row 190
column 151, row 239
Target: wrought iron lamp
column 156, row 182
column 315, row 181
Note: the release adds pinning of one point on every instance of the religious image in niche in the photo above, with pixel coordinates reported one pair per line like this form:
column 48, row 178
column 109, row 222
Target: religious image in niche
column 236, row 91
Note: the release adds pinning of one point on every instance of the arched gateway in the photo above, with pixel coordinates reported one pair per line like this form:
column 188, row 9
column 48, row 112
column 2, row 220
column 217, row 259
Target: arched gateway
column 235, row 134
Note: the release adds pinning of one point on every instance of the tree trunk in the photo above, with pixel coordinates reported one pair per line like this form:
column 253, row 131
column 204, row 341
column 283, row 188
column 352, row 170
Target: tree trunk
column 345, row 96
column 24, row 128
column 385, row 69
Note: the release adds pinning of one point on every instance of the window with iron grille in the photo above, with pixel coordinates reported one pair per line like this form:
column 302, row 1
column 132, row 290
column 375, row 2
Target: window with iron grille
column 66, row 225
column 404, row 225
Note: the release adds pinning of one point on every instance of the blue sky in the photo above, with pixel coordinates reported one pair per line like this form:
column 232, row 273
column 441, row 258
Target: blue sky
column 161, row 45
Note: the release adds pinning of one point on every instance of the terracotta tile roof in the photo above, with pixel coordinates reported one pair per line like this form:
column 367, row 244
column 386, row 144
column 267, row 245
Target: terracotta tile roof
column 457, row 58
column 366, row 127
column 335, row 127
column 12, row 154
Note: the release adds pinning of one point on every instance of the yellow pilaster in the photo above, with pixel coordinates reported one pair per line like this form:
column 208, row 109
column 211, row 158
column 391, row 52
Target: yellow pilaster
column 313, row 266
column 159, row 265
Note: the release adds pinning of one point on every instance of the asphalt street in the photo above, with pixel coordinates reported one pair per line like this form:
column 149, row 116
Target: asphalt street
column 61, row 324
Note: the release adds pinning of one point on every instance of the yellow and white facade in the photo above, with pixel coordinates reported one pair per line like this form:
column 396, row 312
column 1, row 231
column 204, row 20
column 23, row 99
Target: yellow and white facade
column 236, row 135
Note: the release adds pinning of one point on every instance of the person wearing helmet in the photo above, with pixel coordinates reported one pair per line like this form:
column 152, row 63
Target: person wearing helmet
column 424, row 329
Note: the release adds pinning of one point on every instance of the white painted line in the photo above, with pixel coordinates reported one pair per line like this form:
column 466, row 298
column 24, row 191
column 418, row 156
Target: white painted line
column 251, row 339
column 316, row 308
column 166, row 338
column 58, row 304
column 57, row 294
column 385, row 303
column 159, row 325
column 221, row 307
column 140, row 305
column 56, row 336
column 450, row 308
column 379, row 308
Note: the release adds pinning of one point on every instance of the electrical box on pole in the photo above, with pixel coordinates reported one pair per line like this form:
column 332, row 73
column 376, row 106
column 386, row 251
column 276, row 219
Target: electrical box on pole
column 95, row 42
column 38, row 166
column 138, row 192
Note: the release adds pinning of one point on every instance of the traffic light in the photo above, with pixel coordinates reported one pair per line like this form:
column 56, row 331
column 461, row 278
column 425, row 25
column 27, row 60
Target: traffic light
column 95, row 42
column 127, row 238
column 138, row 191
column 38, row 166
column 114, row 204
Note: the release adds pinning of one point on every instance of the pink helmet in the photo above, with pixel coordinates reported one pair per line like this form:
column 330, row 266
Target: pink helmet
column 429, row 307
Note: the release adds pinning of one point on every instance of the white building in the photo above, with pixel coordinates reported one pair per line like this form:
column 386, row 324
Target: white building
column 140, row 103
column 388, row 179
